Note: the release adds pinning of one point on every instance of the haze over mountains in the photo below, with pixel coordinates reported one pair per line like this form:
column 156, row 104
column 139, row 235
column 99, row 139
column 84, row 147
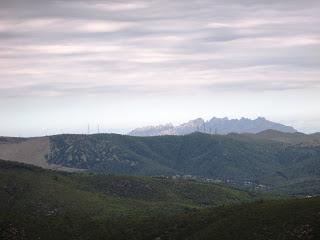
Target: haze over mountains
column 213, row 126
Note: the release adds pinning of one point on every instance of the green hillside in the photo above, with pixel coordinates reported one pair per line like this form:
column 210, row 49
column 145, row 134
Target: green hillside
column 44, row 204
column 282, row 219
column 58, row 205
column 296, row 138
column 241, row 160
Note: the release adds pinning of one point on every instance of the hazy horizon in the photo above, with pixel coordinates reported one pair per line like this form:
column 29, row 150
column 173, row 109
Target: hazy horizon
column 128, row 64
column 100, row 129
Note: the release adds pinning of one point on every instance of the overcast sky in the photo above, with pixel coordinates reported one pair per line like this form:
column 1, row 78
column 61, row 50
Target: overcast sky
column 124, row 64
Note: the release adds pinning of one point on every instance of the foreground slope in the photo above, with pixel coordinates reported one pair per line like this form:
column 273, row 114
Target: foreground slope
column 44, row 204
column 282, row 219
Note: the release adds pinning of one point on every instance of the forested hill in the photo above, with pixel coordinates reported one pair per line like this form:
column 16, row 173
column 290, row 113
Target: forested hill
column 237, row 159
column 268, row 160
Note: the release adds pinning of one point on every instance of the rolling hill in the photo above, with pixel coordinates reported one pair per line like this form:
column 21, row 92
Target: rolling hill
column 296, row 138
column 242, row 161
column 268, row 161
column 46, row 204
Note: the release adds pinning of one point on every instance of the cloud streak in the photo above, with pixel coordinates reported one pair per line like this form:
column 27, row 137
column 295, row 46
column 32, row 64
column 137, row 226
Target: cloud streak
column 163, row 46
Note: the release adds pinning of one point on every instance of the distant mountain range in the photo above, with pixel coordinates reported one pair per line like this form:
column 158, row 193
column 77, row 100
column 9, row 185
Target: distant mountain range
column 214, row 126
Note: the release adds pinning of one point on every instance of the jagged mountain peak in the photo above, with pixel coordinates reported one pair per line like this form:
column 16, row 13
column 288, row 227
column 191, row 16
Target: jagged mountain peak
column 214, row 126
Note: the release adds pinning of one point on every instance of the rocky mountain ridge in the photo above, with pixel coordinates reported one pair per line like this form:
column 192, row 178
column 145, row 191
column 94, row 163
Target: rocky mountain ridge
column 214, row 126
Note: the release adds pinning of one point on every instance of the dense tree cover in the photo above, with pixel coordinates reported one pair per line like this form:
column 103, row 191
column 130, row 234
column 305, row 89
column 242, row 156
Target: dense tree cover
column 232, row 158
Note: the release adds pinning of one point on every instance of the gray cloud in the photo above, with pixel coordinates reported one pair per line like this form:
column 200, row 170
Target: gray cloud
column 48, row 47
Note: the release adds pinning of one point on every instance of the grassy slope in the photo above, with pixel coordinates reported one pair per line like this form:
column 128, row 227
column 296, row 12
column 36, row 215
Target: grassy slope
column 55, row 205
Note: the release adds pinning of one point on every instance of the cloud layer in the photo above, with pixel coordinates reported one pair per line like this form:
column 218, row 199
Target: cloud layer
column 52, row 48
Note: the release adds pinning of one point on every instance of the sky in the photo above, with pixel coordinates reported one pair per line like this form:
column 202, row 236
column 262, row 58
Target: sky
column 68, row 64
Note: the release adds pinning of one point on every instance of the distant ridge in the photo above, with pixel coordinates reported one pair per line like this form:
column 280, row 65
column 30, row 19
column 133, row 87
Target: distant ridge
column 290, row 138
column 214, row 126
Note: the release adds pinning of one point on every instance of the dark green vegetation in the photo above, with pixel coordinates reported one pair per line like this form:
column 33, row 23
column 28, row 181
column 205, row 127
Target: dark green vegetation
column 44, row 204
column 275, row 161
column 285, row 219
column 296, row 138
